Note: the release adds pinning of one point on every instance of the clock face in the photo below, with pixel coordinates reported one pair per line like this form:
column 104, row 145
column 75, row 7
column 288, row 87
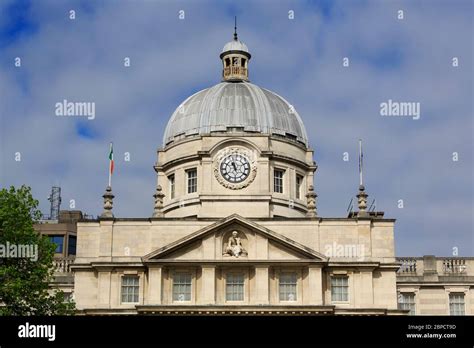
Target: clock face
column 235, row 168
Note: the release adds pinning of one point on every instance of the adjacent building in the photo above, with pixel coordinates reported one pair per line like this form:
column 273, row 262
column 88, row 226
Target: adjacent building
column 62, row 232
column 432, row 285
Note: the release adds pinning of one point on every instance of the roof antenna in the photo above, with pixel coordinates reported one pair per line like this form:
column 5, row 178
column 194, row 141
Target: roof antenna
column 235, row 28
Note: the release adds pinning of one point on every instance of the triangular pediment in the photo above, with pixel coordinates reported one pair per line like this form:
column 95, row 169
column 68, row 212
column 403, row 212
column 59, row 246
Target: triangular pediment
column 259, row 242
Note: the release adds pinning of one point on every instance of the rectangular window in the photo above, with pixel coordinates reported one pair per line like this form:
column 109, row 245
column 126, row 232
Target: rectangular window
column 407, row 301
column 130, row 289
column 182, row 286
column 288, row 287
column 456, row 304
column 299, row 182
column 339, row 288
column 234, row 287
column 278, row 180
column 59, row 241
column 172, row 186
column 71, row 247
column 192, row 180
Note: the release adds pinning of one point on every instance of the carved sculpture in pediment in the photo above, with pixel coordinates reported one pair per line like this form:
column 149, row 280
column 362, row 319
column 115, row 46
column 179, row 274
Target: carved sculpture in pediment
column 234, row 247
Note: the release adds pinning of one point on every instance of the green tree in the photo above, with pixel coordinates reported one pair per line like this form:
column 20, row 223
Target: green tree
column 24, row 282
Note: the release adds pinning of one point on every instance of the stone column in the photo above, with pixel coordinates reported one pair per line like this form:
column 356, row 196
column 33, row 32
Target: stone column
column 154, row 285
column 261, row 285
column 314, row 294
column 208, row 285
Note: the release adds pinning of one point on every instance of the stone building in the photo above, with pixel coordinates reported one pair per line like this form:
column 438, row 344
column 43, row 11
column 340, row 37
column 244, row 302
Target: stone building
column 436, row 285
column 235, row 227
column 62, row 232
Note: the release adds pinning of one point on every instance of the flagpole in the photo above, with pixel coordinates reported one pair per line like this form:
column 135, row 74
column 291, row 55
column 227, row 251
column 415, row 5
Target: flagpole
column 110, row 177
column 360, row 162
column 110, row 165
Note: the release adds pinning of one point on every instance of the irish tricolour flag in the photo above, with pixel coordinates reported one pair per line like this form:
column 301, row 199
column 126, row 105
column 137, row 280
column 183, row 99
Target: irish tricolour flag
column 111, row 163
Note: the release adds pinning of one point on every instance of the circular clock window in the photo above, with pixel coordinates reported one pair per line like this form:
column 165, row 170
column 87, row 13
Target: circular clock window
column 234, row 169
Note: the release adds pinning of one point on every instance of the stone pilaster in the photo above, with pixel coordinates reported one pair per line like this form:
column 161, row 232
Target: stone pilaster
column 261, row 285
column 154, row 285
column 314, row 294
column 208, row 283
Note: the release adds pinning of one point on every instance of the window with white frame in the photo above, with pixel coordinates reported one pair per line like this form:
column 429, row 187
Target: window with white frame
column 456, row 303
column 234, row 289
column 278, row 180
column 130, row 288
column 172, row 185
column 288, row 282
column 406, row 300
column 299, row 183
column 339, row 288
column 182, row 286
column 192, row 180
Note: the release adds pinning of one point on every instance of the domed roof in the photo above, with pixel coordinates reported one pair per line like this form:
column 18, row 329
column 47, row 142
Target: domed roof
column 235, row 45
column 230, row 105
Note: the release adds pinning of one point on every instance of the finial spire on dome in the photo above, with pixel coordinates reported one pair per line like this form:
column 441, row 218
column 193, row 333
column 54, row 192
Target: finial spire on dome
column 235, row 28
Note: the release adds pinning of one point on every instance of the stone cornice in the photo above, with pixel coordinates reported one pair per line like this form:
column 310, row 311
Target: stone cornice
column 276, row 218
column 241, row 310
column 240, row 261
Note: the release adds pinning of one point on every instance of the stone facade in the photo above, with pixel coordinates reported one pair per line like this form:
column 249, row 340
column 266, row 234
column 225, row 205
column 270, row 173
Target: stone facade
column 234, row 227
column 154, row 250
column 436, row 284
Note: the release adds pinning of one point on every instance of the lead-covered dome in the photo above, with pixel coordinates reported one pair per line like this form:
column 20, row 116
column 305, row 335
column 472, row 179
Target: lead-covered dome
column 230, row 105
column 235, row 45
column 235, row 105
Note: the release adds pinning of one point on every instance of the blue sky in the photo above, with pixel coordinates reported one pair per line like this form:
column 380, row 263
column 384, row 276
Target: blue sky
column 301, row 59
